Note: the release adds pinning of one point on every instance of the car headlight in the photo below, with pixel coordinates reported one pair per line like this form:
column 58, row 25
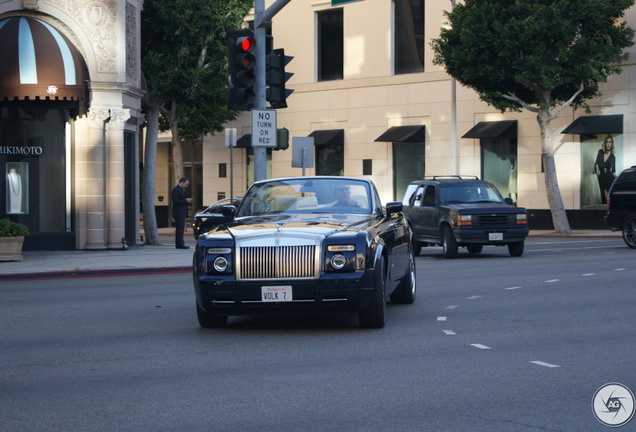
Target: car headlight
column 340, row 258
column 221, row 264
column 218, row 260
column 522, row 219
column 338, row 261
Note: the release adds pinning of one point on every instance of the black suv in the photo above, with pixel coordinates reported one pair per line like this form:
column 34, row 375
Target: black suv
column 621, row 206
column 454, row 211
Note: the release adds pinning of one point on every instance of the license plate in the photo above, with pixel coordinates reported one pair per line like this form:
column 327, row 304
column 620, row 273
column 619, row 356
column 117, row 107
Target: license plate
column 276, row 293
column 495, row 236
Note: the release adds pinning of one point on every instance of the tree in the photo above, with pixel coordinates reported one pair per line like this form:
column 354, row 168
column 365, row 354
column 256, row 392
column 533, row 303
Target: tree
column 538, row 55
column 184, row 59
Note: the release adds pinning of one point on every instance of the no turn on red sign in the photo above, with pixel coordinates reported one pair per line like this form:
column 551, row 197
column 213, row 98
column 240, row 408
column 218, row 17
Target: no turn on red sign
column 264, row 129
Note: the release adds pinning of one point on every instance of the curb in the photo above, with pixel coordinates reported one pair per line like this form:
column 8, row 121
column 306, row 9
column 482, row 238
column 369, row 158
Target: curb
column 77, row 274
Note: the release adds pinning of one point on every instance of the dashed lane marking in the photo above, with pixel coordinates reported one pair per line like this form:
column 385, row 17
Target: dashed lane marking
column 544, row 364
column 480, row 346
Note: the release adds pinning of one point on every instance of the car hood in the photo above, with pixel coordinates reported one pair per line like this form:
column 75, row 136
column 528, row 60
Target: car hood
column 485, row 207
column 303, row 225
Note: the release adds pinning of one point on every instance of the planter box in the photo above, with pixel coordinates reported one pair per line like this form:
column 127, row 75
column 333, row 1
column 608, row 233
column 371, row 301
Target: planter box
column 11, row 248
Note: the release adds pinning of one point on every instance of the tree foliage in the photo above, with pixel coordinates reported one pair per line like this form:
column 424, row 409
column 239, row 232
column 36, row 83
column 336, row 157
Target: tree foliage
column 184, row 60
column 539, row 55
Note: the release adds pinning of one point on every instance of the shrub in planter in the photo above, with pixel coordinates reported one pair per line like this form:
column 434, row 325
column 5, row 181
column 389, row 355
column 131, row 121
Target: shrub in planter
column 11, row 240
column 8, row 228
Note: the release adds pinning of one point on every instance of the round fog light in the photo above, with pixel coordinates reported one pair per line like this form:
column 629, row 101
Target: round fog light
column 220, row 264
column 338, row 261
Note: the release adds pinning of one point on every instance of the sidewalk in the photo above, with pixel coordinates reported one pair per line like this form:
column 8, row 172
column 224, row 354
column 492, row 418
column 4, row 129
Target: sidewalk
column 141, row 259
column 147, row 259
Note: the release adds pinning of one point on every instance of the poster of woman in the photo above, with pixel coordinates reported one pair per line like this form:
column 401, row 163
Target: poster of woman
column 601, row 157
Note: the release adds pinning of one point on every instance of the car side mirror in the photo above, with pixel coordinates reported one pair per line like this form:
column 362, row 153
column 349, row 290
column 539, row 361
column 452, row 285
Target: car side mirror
column 509, row 201
column 228, row 211
column 393, row 207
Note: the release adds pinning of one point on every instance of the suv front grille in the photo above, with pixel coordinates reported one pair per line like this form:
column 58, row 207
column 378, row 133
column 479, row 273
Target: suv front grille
column 494, row 220
column 277, row 262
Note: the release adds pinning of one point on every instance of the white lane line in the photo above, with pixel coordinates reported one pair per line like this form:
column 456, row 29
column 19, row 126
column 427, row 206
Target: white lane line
column 441, row 318
column 449, row 332
column 588, row 274
column 620, row 269
column 544, row 364
column 512, row 288
column 473, row 297
column 552, row 280
column 480, row 346
column 451, row 307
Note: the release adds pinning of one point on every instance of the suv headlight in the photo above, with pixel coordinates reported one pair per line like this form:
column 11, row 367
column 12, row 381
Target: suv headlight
column 464, row 220
column 522, row 219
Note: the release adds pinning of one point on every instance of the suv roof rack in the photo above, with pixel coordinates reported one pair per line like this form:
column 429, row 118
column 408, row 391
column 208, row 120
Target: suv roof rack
column 448, row 177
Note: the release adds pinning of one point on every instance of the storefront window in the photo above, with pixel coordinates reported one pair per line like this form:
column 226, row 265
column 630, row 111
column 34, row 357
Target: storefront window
column 33, row 155
column 499, row 165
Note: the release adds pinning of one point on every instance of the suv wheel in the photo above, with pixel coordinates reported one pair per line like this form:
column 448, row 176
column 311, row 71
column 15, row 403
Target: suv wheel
column 449, row 243
column 629, row 232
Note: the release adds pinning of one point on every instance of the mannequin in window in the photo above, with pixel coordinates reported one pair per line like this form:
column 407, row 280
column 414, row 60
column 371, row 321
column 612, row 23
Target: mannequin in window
column 605, row 167
column 14, row 181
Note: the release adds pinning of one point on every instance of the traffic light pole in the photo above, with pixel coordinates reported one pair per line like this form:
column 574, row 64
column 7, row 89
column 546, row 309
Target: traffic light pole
column 262, row 19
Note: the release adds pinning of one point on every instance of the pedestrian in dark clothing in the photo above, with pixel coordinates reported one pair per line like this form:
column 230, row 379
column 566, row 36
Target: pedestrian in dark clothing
column 180, row 203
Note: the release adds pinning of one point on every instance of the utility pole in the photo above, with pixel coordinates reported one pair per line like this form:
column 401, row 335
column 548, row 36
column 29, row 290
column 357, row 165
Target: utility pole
column 262, row 20
column 453, row 119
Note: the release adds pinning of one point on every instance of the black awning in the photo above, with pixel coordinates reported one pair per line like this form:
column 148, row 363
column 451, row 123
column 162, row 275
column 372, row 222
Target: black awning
column 328, row 137
column 245, row 141
column 493, row 129
column 597, row 124
column 404, row 134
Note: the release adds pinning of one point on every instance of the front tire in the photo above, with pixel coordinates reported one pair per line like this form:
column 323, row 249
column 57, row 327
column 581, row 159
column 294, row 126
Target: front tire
column 405, row 293
column 210, row 319
column 373, row 315
column 516, row 249
column 629, row 232
column 449, row 243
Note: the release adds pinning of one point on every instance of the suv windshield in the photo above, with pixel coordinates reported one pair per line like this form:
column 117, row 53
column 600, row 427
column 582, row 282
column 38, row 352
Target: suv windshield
column 467, row 193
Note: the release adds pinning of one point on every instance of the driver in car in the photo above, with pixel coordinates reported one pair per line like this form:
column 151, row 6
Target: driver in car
column 343, row 197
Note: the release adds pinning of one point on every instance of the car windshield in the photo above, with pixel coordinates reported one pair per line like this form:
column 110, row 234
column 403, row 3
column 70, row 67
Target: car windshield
column 306, row 195
column 470, row 193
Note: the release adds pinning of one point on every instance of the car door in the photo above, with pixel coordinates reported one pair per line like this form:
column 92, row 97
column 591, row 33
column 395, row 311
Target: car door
column 429, row 214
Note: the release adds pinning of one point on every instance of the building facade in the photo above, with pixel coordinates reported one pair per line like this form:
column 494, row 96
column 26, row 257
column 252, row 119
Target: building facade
column 366, row 89
column 70, row 110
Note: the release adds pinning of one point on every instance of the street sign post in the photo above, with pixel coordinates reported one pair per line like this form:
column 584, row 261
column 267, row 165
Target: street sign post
column 264, row 129
column 303, row 153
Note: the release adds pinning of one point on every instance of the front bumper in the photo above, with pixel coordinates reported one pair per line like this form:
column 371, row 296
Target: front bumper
column 490, row 236
column 341, row 292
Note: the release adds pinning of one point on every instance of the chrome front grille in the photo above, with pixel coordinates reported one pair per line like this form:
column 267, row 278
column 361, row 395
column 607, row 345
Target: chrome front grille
column 277, row 262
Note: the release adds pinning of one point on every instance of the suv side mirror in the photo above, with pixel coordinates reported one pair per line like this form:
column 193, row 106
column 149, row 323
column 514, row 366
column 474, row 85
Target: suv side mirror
column 509, row 201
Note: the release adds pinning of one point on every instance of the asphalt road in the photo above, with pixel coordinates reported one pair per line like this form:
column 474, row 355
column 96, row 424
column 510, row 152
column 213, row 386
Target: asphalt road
column 493, row 343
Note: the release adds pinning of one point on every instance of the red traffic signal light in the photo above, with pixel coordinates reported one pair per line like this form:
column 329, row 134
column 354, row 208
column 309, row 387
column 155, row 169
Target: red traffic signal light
column 246, row 44
column 241, row 63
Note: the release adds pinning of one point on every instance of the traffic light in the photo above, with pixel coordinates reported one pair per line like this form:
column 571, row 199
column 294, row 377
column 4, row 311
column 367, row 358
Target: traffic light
column 276, row 77
column 282, row 139
column 241, row 61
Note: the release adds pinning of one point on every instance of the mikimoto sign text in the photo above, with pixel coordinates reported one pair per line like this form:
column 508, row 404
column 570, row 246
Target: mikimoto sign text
column 264, row 128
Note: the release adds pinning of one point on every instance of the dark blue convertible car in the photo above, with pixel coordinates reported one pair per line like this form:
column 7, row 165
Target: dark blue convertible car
column 305, row 245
